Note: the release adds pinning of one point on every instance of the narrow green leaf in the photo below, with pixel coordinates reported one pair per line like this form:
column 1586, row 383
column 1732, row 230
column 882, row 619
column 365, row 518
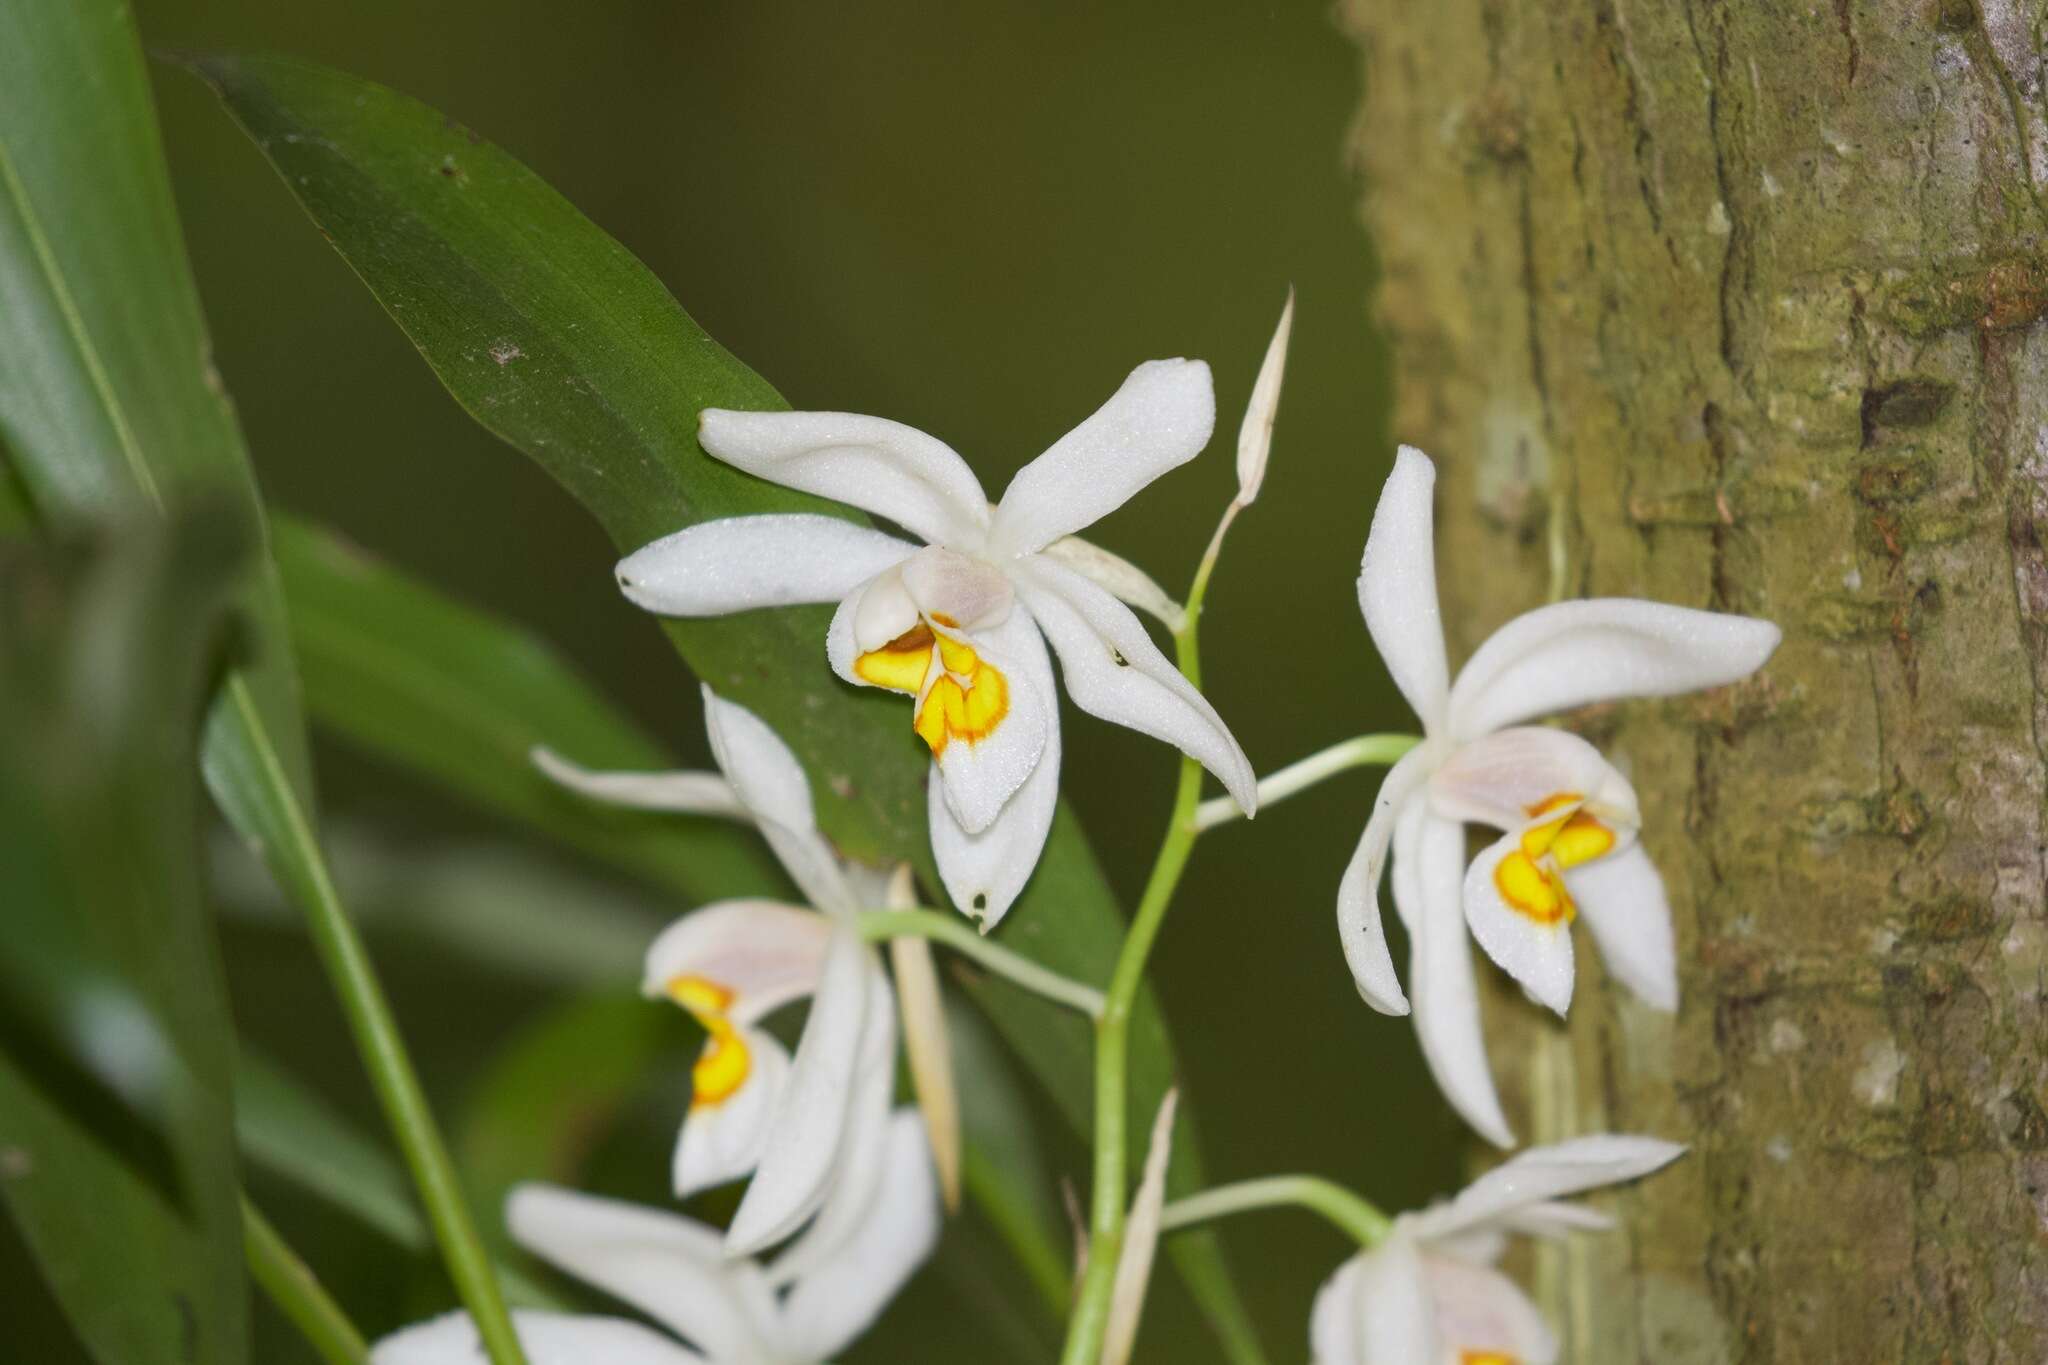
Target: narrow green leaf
column 132, row 1208
column 431, row 684
column 553, row 336
column 108, row 396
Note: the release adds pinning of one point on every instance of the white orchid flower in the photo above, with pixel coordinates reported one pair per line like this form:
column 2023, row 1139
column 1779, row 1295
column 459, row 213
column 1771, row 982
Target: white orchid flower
column 1568, row 819
column 1428, row 1294
column 807, row 1125
column 961, row 624
column 677, row 1272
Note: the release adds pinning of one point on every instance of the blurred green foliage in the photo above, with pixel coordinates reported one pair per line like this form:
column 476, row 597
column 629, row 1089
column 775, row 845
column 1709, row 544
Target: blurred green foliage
column 972, row 218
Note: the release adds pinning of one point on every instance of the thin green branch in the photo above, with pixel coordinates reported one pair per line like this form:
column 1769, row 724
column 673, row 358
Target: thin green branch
column 298, row 1294
column 1357, row 752
column 950, row 930
column 382, row 1048
column 1365, row 1223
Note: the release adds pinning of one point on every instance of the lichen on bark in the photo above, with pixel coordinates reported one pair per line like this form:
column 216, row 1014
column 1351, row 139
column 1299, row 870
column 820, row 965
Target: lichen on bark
column 1740, row 306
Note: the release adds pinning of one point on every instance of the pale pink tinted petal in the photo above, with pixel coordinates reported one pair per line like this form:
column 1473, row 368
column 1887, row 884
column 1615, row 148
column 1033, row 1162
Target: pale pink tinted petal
column 1479, row 1309
column 1621, row 899
column 1397, row 588
column 667, row 1266
column 1359, row 927
column 837, row 1300
column 1446, row 997
column 1113, row 670
column 884, row 467
column 1160, row 418
column 548, row 1339
column 741, row 563
column 1574, row 653
column 765, row 953
column 1537, row 955
column 1503, row 778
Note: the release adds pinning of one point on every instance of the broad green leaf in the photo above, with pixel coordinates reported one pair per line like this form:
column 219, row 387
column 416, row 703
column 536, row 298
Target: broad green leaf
column 553, row 336
column 291, row 1134
column 436, row 686
column 131, row 1209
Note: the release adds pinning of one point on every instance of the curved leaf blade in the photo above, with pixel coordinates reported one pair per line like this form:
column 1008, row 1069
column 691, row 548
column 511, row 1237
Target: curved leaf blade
column 436, row 686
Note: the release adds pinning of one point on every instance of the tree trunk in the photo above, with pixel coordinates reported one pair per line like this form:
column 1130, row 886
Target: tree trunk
column 1739, row 306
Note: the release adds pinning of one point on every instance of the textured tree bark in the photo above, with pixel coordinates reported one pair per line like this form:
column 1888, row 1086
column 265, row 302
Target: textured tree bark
column 1740, row 306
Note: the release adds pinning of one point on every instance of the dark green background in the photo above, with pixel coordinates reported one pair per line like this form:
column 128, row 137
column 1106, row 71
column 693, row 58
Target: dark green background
column 973, row 218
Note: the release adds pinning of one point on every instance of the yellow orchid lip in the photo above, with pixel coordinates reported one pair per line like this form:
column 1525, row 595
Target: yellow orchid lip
column 1487, row 1358
column 1531, row 877
column 961, row 696
column 725, row 1063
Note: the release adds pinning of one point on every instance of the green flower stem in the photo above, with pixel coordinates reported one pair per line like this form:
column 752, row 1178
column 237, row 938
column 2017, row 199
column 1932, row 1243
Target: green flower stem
column 1366, row 1224
column 1360, row 751
column 292, row 1286
column 952, row 931
column 378, row 1041
column 1112, row 1029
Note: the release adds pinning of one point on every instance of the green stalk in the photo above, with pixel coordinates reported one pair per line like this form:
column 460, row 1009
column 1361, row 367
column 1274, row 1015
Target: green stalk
column 378, row 1041
column 1365, row 1223
column 298, row 1294
column 955, row 934
column 1112, row 1030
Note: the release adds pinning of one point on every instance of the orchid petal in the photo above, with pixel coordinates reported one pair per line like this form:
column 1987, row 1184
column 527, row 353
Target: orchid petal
column 687, row 793
column 985, row 873
column 771, row 784
column 1397, row 588
column 863, row 1147
column 1572, row 654
column 547, row 1338
column 1502, row 779
column 1358, row 896
column 981, row 775
column 1555, row 1219
column 1543, row 1174
column 837, row 1300
column 1478, row 1310
column 667, row 1266
column 1446, row 998
column 723, row 1141
column 1255, row 435
column 1537, row 953
column 1397, row 1322
column 740, row 563
column 1159, row 419
column 884, row 467
column 1622, row 900
column 803, row 1147
column 1120, row 578
column 1336, row 1322
column 1114, row 671
column 761, row 953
